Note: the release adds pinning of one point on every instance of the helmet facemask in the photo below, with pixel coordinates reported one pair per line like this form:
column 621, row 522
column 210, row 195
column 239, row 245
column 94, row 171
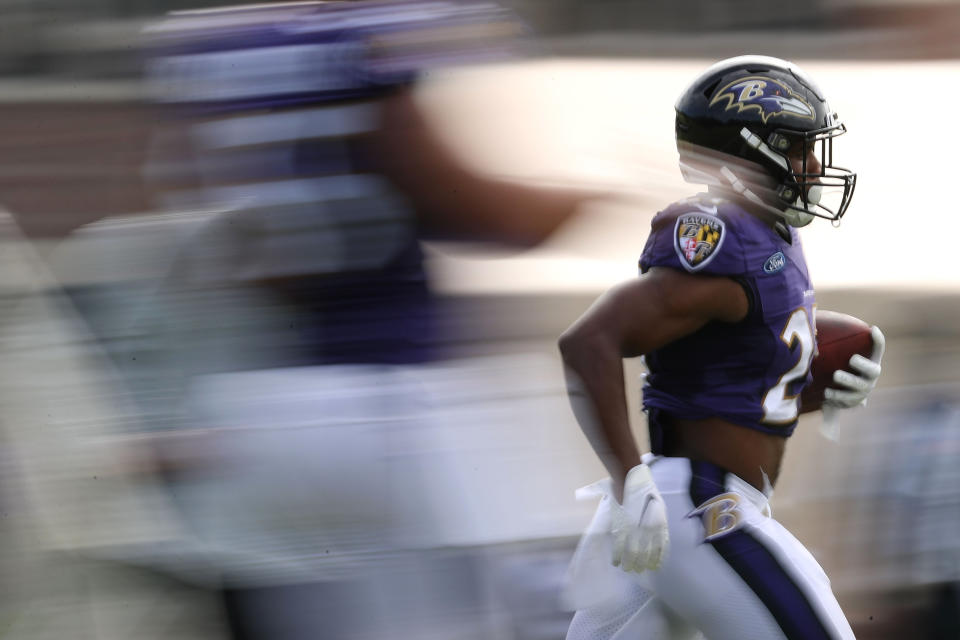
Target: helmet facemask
column 820, row 190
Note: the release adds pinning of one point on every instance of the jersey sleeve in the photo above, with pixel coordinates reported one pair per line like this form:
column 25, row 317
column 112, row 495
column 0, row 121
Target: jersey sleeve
column 695, row 241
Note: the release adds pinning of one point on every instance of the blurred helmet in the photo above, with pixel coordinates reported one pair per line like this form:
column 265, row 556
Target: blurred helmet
column 739, row 123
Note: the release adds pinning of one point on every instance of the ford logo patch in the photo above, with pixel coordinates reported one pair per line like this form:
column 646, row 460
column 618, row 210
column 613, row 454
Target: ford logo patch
column 775, row 263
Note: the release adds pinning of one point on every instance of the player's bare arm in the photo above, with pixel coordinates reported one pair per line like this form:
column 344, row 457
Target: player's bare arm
column 629, row 320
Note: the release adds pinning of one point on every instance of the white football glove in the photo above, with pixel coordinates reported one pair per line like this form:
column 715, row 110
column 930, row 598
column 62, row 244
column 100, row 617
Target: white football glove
column 639, row 525
column 856, row 387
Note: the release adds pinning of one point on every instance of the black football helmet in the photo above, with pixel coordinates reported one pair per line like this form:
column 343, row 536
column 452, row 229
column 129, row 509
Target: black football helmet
column 759, row 126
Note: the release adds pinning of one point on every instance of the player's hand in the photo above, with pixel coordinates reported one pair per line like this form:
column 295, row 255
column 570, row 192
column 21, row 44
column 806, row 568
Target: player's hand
column 639, row 525
column 857, row 386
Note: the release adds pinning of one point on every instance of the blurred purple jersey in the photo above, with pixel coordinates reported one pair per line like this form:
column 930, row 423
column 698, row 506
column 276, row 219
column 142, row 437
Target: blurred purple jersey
column 751, row 372
column 279, row 103
column 305, row 53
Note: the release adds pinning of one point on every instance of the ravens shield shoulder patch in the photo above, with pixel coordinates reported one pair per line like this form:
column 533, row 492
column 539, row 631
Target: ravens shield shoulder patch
column 697, row 239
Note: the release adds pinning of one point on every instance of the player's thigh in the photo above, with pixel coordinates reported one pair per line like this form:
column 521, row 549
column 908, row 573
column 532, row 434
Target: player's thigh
column 638, row 613
column 753, row 582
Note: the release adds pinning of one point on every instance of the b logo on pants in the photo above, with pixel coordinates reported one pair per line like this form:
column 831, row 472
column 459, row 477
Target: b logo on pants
column 720, row 515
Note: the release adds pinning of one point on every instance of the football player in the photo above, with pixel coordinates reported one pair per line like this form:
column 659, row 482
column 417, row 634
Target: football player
column 723, row 313
column 301, row 306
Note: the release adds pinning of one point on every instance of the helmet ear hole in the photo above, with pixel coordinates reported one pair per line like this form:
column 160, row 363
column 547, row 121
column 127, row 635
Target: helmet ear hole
column 779, row 142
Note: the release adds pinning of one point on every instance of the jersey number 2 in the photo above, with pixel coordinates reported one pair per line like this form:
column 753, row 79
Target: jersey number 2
column 778, row 406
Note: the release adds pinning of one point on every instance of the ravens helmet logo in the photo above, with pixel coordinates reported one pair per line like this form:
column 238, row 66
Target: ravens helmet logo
column 769, row 97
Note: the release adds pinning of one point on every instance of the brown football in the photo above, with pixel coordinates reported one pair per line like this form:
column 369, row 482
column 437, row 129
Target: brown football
column 839, row 336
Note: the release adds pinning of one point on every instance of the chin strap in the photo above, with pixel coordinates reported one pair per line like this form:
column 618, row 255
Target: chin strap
column 791, row 215
column 796, row 214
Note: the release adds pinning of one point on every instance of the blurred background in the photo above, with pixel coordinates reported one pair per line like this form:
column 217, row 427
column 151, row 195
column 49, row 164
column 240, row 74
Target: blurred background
column 93, row 538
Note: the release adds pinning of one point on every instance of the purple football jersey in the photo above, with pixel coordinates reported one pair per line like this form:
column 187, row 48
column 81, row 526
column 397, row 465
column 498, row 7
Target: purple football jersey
column 751, row 372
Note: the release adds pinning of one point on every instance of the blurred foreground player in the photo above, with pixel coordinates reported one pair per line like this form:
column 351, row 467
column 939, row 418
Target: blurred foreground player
column 723, row 313
column 300, row 312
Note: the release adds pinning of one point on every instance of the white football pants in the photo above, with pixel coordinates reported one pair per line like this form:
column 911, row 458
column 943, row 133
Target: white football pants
column 732, row 572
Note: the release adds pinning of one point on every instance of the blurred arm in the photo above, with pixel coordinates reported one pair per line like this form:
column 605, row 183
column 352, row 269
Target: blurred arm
column 454, row 199
column 632, row 319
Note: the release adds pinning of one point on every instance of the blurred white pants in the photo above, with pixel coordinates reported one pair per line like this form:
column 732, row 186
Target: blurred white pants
column 338, row 483
column 305, row 476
